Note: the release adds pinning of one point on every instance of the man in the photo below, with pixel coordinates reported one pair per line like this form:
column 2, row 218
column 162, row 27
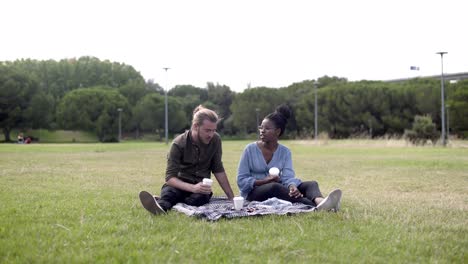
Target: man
column 194, row 155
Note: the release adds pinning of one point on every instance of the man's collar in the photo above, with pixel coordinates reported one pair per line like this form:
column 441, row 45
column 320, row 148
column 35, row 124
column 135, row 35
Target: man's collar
column 190, row 138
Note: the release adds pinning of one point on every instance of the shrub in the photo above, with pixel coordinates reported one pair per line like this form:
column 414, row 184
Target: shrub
column 423, row 130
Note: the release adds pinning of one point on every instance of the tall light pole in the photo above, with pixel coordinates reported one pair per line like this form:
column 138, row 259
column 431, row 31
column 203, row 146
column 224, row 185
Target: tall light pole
column 165, row 108
column 448, row 122
column 120, row 123
column 315, row 111
column 442, row 98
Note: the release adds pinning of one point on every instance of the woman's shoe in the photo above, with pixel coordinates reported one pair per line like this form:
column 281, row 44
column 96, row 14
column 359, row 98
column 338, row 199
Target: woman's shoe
column 331, row 202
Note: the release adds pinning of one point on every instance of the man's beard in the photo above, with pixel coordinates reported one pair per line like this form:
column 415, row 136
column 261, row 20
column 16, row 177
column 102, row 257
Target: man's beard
column 200, row 139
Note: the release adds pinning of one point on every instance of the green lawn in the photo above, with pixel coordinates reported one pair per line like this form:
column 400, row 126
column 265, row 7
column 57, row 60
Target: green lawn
column 63, row 203
column 54, row 136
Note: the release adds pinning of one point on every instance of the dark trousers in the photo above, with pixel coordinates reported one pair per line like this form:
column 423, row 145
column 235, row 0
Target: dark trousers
column 171, row 196
column 309, row 189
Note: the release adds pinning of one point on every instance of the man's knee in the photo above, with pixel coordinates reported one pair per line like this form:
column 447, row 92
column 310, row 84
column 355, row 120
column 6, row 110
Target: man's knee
column 170, row 193
column 170, row 196
column 197, row 199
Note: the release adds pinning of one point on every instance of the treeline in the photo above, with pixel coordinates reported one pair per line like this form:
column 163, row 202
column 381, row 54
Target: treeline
column 86, row 93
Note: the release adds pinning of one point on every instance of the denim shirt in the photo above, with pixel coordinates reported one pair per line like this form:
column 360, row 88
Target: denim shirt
column 252, row 166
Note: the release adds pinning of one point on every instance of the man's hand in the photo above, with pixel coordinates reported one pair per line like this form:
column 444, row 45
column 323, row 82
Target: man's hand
column 294, row 192
column 188, row 187
column 224, row 183
column 201, row 188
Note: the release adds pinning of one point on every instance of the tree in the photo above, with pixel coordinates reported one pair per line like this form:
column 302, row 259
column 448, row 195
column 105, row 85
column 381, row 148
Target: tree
column 40, row 114
column 189, row 91
column 16, row 93
column 245, row 104
column 426, row 94
column 457, row 108
column 134, row 90
column 152, row 86
column 59, row 77
column 221, row 96
column 190, row 97
column 327, row 80
column 365, row 108
column 177, row 120
column 93, row 109
column 149, row 114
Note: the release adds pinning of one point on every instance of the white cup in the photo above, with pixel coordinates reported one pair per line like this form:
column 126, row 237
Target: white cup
column 207, row 181
column 238, row 202
column 274, row 171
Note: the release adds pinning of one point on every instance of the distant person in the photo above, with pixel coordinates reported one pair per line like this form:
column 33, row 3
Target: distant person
column 20, row 138
column 27, row 140
column 193, row 156
column 257, row 184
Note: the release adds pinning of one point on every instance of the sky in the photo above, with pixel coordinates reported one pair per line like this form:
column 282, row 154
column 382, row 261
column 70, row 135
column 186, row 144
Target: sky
column 244, row 43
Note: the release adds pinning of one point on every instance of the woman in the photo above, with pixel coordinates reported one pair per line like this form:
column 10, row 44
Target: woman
column 257, row 184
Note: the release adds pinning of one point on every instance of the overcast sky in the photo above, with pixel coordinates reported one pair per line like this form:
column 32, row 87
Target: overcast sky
column 264, row 43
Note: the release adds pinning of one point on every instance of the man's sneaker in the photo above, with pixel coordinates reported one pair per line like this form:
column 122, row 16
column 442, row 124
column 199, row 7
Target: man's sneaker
column 150, row 204
column 331, row 202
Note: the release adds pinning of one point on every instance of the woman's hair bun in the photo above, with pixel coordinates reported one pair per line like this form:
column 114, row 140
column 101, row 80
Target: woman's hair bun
column 284, row 111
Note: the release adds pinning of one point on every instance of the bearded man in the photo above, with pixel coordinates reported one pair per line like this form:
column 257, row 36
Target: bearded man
column 194, row 155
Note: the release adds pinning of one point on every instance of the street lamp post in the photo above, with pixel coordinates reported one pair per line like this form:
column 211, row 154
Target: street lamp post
column 120, row 123
column 442, row 98
column 448, row 123
column 165, row 109
column 315, row 111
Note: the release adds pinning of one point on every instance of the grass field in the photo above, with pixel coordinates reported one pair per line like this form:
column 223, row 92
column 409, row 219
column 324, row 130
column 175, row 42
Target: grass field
column 54, row 136
column 78, row 203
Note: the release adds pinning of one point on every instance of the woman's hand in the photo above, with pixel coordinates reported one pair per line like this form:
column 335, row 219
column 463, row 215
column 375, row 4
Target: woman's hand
column 294, row 192
column 271, row 178
column 266, row 180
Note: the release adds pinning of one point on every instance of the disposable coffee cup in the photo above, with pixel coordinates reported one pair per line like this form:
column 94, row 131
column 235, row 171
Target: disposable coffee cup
column 207, row 181
column 238, row 202
column 274, row 171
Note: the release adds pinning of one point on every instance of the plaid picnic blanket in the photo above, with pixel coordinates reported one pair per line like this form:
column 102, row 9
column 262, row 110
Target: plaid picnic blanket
column 222, row 207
